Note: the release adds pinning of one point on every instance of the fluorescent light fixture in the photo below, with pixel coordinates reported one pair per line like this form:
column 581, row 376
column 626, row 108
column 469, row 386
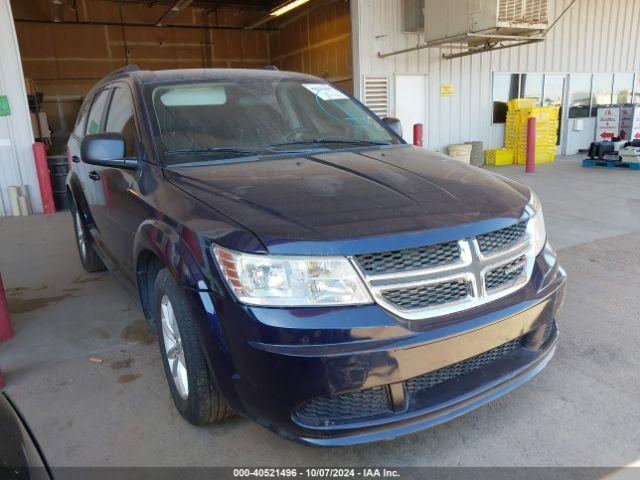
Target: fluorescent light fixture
column 287, row 8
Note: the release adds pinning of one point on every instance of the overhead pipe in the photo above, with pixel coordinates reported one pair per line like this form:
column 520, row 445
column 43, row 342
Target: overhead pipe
column 139, row 24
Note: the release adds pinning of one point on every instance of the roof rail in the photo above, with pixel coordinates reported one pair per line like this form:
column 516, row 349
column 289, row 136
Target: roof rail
column 126, row 69
column 268, row 67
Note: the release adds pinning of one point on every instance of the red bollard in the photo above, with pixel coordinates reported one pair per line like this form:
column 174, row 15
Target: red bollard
column 531, row 146
column 6, row 330
column 418, row 135
column 44, row 180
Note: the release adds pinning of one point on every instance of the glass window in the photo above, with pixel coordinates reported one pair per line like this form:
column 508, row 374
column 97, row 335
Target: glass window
column 121, row 119
column 531, row 86
column 413, row 11
column 553, row 93
column 553, row 90
column 505, row 87
column 94, row 122
column 622, row 87
column 579, row 95
column 636, row 91
column 78, row 130
column 601, row 91
column 255, row 115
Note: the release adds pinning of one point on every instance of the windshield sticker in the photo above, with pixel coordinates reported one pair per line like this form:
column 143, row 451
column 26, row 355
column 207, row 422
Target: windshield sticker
column 194, row 97
column 325, row 91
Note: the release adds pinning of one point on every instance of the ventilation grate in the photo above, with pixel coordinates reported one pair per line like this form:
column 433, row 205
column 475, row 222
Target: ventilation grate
column 376, row 95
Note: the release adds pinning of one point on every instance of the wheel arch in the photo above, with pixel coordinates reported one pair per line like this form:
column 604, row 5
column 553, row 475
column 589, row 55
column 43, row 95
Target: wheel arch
column 158, row 245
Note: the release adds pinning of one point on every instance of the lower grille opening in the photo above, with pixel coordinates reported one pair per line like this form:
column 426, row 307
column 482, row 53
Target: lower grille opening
column 432, row 379
column 373, row 403
column 345, row 408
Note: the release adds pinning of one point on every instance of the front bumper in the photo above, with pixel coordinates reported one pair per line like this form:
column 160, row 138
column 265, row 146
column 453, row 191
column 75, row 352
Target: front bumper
column 343, row 376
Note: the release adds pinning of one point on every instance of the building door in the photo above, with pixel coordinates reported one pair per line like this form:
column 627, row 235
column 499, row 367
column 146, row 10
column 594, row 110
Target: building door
column 411, row 103
column 554, row 95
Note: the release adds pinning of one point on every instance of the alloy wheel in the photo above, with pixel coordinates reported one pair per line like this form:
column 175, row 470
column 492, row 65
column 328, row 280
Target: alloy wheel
column 173, row 347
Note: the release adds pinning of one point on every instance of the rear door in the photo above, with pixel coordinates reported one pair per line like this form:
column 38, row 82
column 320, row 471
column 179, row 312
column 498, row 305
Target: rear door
column 92, row 186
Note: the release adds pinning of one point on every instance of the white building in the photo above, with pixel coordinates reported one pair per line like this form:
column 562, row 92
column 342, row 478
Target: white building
column 591, row 56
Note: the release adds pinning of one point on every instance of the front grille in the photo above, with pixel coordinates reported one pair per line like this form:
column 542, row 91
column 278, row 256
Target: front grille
column 501, row 239
column 506, row 274
column 548, row 329
column 428, row 280
column 431, row 379
column 372, row 403
column 409, row 259
column 345, row 407
column 427, row 295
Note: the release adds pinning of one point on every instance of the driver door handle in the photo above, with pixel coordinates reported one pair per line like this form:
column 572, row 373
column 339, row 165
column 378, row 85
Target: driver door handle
column 75, row 159
column 93, row 175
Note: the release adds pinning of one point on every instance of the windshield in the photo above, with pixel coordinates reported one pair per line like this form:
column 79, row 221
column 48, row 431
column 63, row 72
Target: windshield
column 258, row 116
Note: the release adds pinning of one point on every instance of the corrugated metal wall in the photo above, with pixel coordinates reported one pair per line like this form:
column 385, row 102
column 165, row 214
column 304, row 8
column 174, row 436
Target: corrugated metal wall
column 594, row 36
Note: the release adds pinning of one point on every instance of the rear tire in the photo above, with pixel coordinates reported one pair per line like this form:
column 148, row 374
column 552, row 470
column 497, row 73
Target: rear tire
column 88, row 255
column 192, row 386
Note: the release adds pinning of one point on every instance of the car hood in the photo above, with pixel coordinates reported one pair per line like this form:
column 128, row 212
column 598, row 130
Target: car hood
column 353, row 202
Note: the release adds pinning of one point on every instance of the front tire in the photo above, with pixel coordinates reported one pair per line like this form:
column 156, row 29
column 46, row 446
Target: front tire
column 192, row 387
column 88, row 255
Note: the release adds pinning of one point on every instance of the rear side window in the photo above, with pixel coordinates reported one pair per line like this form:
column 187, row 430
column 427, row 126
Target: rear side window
column 121, row 119
column 78, row 130
column 94, row 122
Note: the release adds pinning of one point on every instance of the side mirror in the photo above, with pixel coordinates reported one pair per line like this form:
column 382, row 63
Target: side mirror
column 394, row 124
column 106, row 150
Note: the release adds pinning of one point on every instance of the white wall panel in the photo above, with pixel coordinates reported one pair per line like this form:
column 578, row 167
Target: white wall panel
column 594, row 36
column 16, row 158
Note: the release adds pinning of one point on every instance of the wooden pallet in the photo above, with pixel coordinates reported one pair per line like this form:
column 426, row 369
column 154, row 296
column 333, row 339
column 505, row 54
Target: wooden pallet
column 610, row 164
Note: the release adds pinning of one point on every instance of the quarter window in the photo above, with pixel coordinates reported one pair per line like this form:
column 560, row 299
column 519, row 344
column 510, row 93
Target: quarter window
column 121, row 119
column 94, row 122
column 78, row 130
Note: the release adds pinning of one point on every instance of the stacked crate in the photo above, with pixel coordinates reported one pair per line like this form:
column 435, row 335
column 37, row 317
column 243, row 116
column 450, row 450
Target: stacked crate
column 547, row 118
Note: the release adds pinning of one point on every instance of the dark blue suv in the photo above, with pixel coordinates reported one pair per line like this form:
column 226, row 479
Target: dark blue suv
column 300, row 263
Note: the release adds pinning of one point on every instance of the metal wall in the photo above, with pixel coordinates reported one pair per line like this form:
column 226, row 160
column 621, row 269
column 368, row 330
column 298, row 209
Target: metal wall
column 17, row 166
column 594, row 36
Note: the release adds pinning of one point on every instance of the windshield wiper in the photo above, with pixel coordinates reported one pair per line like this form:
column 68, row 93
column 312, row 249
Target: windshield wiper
column 185, row 151
column 325, row 141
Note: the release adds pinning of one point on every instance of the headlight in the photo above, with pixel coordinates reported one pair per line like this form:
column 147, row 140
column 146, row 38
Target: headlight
column 292, row 281
column 536, row 227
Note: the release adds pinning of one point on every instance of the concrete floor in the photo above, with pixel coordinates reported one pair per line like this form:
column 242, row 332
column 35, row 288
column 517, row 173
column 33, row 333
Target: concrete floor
column 582, row 410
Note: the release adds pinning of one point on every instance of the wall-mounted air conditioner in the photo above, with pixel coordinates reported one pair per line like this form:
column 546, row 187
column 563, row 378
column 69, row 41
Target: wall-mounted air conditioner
column 483, row 19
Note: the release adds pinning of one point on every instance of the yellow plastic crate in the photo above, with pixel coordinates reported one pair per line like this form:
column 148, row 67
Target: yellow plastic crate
column 498, row 156
column 518, row 103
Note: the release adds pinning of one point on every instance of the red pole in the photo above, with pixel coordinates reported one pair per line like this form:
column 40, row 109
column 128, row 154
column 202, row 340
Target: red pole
column 418, row 135
column 6, row 330
column 44, row 180
column 531, row 146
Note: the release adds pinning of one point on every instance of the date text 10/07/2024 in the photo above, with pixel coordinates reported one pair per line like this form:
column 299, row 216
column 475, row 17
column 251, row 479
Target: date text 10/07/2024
column 316, row 472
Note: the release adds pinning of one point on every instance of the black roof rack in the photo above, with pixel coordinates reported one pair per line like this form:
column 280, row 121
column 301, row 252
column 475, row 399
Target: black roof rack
column 127, row 69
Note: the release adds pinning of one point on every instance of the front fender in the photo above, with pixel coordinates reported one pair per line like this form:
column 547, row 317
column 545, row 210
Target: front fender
column 183, row 252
